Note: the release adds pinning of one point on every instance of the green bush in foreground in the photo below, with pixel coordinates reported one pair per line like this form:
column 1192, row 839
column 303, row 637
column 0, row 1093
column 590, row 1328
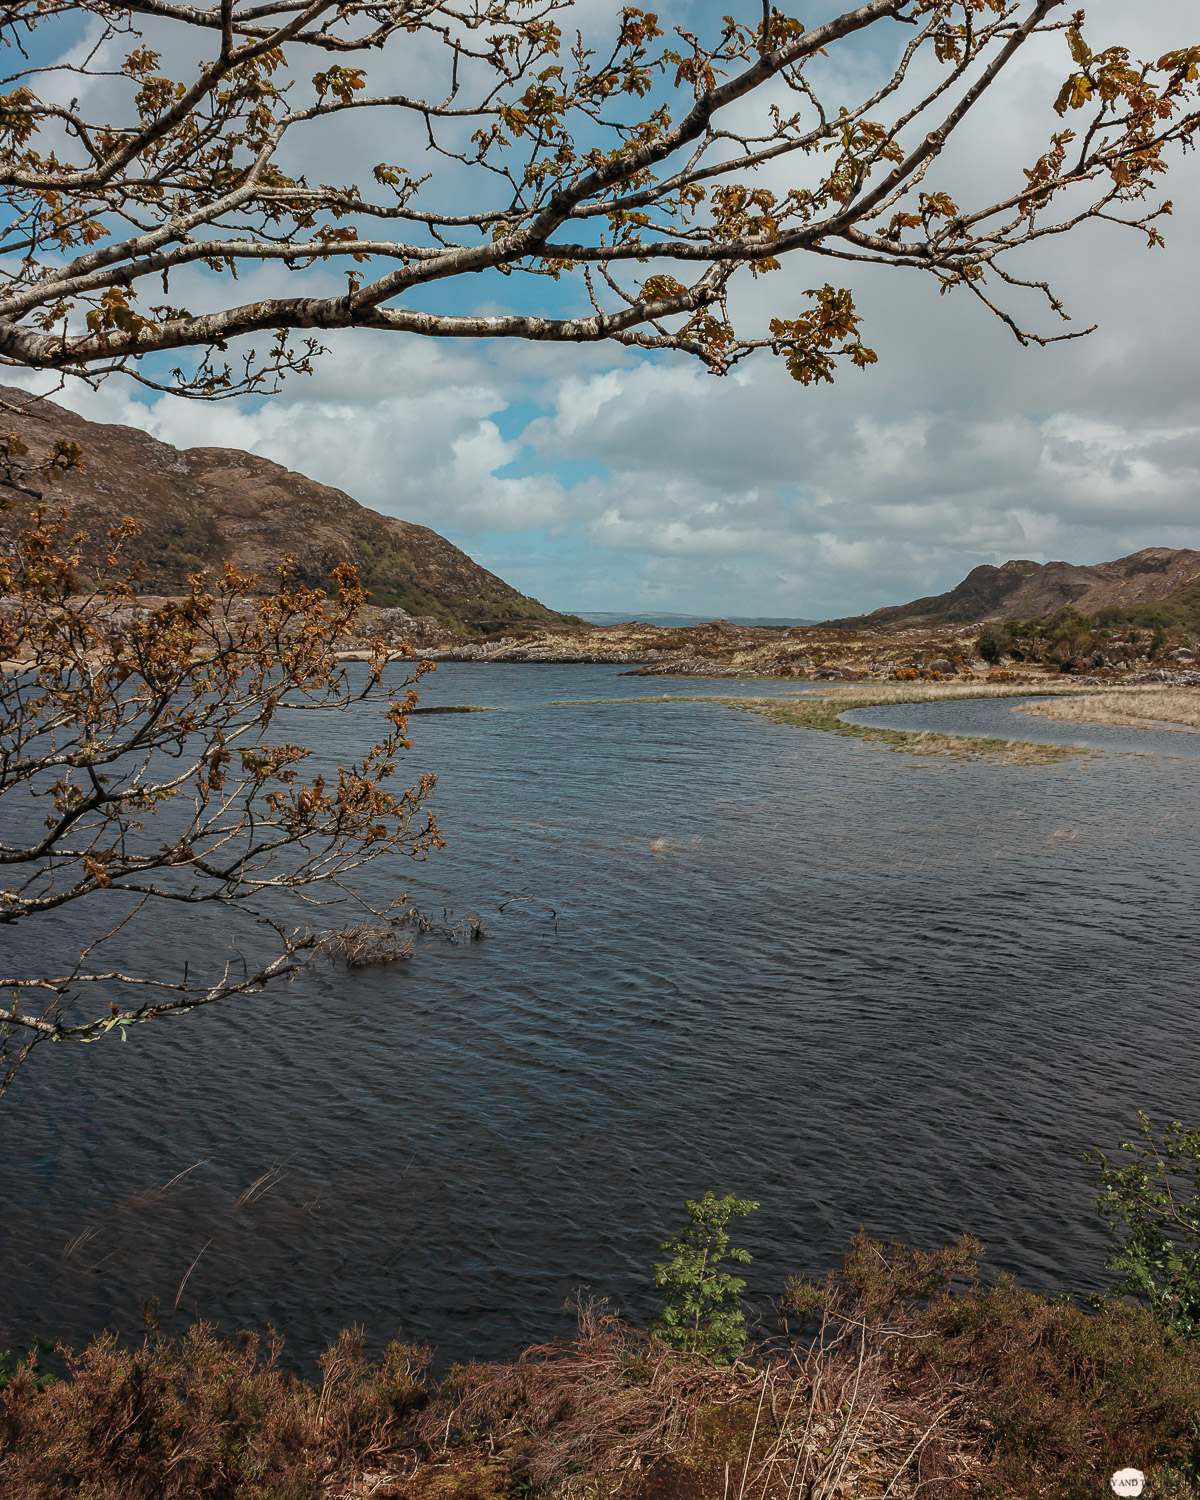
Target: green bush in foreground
column 702, row 1308
column 1153, row 1202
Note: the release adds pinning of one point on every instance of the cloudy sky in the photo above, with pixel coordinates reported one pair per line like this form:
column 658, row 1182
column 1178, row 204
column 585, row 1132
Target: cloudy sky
column 597, row 479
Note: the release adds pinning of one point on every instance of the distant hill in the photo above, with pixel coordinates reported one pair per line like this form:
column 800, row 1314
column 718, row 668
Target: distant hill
column 201, row 507
column 1021, row 590
column 681, row 622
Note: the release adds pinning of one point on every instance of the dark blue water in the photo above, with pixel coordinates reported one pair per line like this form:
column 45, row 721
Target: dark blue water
column 722, row 953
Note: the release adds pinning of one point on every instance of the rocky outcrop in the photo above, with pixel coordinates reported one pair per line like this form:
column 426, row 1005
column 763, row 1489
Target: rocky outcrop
column 199, row 508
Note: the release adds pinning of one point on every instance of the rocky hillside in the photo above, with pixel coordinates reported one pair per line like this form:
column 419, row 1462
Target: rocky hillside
column 1021, row 589
column 201, row 507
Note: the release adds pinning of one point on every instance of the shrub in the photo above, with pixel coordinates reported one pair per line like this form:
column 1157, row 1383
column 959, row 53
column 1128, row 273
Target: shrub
column 1044, row 1398
column 875, row 1280
column 1067, row 1396
column 13, row 1361
column 702, row 1310
column 991, row 643
column 1155, row 1200
column 175, row 1419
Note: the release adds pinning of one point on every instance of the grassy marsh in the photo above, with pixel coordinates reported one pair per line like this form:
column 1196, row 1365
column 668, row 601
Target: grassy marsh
column 825, row 713
column 1134, row 706
column 822, row 710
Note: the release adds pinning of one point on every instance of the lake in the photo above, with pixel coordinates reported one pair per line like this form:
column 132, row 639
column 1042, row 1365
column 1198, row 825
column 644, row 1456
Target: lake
column 858, row 986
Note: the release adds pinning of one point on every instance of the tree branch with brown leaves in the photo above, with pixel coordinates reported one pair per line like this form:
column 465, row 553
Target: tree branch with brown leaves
column 142, row 771
column 702, row 156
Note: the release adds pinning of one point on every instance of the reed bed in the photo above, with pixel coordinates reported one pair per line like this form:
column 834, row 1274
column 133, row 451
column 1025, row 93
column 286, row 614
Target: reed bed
column 927, row 692
column 824, row 711
column 1134, row 706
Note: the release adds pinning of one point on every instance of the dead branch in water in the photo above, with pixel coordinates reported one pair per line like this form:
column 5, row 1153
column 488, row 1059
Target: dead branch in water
column 364, row 944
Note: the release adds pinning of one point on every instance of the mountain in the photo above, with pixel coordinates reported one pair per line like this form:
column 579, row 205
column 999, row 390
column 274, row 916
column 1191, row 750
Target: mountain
column 679, row 622
column 1021, row 589
column 201, row 507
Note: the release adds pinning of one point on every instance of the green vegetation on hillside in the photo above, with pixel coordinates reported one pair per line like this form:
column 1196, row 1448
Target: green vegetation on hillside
column 1116, row 637
column 172, row 552
column 389, row 576
column 394, row 576
column 393, row 580
column 986, row 591
column 1178, row 611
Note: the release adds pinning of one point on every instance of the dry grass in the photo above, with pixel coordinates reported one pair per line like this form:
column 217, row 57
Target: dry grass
column 908, row 1379
column 824, row 711
column 614, row 1413
column 1135, row 707
column 865, row 693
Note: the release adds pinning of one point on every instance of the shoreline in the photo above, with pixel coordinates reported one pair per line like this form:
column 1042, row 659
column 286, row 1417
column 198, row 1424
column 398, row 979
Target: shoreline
column 823, row 711
column 906, row 1366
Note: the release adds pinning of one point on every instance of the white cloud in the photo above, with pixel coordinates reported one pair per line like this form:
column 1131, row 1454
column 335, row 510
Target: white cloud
column 594, row 478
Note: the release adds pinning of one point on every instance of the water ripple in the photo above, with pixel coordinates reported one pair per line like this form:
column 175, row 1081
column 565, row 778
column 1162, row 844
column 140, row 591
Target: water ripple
column 746, row 957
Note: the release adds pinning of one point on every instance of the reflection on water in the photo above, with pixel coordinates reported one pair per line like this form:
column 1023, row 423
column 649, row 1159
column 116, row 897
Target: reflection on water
column 721, row 953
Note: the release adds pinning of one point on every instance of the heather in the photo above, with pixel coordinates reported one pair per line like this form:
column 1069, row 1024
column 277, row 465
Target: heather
column 903, row 1373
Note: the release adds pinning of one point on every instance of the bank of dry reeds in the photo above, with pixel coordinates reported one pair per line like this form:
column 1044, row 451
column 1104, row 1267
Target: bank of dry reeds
column 905, row 1378
column 1134, row 706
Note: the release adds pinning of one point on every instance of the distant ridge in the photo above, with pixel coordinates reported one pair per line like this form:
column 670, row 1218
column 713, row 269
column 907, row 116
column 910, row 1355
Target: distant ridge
column 681, row 622
column 1021, row 590
column 202, row 507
